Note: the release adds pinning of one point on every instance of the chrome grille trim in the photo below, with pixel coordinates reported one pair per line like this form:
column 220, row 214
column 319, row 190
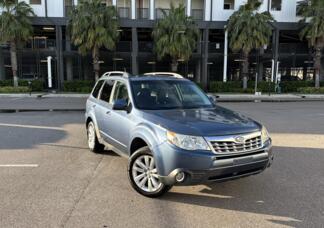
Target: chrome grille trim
column 224, row 145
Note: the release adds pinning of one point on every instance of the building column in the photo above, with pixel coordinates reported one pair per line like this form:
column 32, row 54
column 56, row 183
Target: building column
column 322, row 70
column 152, row 9
column 2, row 68
column 59, row 58
column 134, row 51
column 225, row 56
column 204, row 78
column 207, row 9
column 188, row 7
column 275, row 48
column 133, row 9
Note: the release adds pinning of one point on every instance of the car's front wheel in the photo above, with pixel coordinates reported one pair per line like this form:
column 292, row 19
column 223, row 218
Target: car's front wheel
column 143, row 174
column 93, row 142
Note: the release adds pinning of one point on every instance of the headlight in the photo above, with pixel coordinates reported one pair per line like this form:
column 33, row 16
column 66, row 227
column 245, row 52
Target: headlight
column 187, row 142
column 264, row 135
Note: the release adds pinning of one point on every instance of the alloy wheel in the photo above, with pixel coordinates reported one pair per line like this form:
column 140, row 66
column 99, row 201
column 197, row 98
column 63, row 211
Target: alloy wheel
column 145, row 175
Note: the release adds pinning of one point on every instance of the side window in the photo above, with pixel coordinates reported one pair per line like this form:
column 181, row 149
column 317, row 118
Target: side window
column 106, row 91
column 97, row 88
column 120, row 91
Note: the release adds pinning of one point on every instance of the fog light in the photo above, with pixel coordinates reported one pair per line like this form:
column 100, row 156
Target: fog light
column 180, row 177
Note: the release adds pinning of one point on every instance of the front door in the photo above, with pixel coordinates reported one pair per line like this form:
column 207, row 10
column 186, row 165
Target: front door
column 121, row 119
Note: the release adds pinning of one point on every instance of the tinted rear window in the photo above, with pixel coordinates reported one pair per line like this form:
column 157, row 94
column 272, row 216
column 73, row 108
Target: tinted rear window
column 97, row 88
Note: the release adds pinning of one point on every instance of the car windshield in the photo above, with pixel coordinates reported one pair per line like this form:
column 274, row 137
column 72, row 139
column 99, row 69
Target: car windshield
column 168, row 94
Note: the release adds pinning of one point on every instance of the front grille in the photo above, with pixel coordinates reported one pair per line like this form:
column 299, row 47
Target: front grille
column 250, row 144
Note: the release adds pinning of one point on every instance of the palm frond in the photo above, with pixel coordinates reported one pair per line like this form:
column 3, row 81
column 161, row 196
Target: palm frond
column 175, row 35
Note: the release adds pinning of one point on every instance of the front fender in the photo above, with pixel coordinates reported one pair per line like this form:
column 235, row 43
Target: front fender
column 153, row 135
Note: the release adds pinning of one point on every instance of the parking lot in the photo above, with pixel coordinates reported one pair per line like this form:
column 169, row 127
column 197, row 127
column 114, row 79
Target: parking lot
column 48, row 177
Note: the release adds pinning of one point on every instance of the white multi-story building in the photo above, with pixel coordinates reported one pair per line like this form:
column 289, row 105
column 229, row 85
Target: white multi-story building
column 212, row 60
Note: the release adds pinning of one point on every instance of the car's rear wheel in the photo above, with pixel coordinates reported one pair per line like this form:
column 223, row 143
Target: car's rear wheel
column 93, row 142
column 143, row 174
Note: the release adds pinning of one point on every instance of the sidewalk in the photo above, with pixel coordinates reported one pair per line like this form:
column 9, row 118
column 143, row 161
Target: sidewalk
column 76, row 102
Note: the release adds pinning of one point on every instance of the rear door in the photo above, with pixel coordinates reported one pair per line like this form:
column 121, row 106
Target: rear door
column 103, row 110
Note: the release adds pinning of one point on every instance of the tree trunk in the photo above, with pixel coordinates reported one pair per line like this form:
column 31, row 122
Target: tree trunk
column 96, row 64
column 174, row 65
column 245, row 69
column 14, row 67
column 317, row 66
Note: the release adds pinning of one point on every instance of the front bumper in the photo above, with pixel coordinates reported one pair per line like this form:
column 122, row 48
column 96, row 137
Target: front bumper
column 204, row 166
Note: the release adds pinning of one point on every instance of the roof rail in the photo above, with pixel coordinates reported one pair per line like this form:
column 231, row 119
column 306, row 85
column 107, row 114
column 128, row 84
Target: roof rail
column 115, row 73
column 167, row 74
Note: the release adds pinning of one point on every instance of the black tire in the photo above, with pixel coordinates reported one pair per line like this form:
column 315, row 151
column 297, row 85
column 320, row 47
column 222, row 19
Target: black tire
column 145, row 151
column 95, row 147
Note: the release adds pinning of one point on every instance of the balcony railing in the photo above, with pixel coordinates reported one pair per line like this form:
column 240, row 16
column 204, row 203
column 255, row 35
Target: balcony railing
column 142, row 13
column 41, row 43
column 159, row 13
column 123, row 12
column 293, row 48
column 197, row 14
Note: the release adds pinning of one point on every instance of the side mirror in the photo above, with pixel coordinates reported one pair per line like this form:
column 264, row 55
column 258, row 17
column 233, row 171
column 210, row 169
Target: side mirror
column 120, row 104
column 212, row 98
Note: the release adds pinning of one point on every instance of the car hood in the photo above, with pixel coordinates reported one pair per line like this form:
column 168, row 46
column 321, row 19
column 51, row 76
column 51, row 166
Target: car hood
column 203, row 122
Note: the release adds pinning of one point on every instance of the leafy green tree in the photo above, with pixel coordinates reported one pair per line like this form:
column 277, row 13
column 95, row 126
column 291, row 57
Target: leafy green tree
column 175, row 36
column 15, row 28
column 94, row 26
column 313, row 18
column 248, row 29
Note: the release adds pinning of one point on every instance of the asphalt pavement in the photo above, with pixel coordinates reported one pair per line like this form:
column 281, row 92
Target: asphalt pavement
column 48, row 177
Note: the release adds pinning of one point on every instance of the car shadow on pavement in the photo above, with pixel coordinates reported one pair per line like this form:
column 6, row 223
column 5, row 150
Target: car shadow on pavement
column 288, row 193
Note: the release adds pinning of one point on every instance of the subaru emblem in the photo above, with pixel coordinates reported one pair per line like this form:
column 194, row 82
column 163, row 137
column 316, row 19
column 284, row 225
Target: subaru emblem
column 239, row 139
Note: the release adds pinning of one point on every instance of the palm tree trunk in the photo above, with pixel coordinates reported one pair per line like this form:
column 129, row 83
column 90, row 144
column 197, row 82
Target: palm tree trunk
column 96, row 64
column 317, row 66
column 174, row 65
column 14, row 67
column 245, row 69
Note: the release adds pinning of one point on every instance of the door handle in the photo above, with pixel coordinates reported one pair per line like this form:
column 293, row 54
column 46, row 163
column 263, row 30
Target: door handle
column 108, row 112
column 93, row 106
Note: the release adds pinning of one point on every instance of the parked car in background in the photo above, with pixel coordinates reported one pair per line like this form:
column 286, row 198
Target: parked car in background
column 172, row 133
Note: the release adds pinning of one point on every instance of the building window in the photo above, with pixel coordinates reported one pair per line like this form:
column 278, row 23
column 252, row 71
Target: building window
column 35, row 2
column 229, row 4
column 276, row 5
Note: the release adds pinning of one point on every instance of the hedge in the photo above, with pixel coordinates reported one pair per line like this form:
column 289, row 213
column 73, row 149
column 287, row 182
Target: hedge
column 11, row 89
column 37, row 85
column 311, row 90
column 78, row 86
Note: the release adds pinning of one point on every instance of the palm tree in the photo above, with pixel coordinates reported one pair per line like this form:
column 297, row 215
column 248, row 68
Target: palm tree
column 313, row 17
column 175, row 36
column 249, row 30
column 94, row 26
column 16, row 28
